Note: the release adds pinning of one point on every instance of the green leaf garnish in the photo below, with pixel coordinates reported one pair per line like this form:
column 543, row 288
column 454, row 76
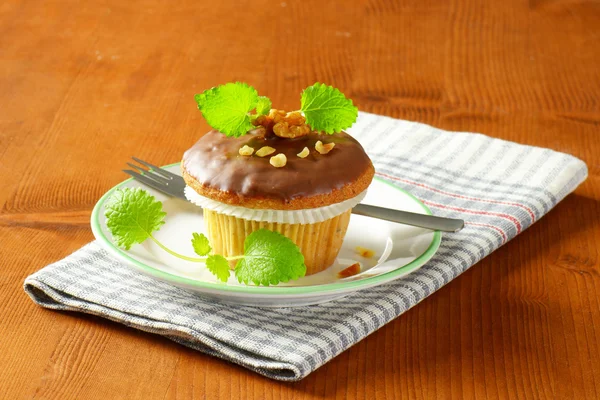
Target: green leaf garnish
column 226, row 108
column 269, row 258
column 200, row 244
column 327, row 109
column 263, row 106
column 219, row 266
column 132, row 215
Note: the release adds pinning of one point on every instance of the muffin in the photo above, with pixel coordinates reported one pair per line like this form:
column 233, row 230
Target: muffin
column 281, row 175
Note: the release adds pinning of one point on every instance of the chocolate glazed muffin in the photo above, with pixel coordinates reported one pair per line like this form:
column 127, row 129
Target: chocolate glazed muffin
column 316, row 170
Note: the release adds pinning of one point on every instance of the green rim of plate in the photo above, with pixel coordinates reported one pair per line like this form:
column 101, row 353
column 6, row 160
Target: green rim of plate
column 326, row 288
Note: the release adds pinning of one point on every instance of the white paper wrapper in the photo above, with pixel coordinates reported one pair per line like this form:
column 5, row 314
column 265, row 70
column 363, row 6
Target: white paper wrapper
column 306, row 216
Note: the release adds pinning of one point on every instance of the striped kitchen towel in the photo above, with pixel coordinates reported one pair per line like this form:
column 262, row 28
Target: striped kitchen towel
column 500, row 188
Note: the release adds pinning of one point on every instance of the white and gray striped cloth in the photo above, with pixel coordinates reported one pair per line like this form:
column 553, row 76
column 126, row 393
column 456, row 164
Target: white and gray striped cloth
column 500, row 188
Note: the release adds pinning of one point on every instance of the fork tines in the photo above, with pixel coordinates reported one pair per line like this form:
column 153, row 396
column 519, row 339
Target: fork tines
column 156, row 177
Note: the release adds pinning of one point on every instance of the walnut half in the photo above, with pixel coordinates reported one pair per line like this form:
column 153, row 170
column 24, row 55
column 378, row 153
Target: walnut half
column 289, row 125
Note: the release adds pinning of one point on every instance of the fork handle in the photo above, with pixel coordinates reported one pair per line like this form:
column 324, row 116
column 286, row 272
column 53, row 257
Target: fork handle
column 409, row 218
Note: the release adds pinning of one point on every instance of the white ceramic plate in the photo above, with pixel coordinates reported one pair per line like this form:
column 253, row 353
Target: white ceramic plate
column 399, row 250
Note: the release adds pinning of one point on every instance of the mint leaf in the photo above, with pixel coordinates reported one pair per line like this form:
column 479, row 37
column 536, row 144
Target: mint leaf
column 269, row 258
column 263, row 106
column 132, row 215
column 226, row 107
column 327, row 109
column 200, row 244
column 219, row 266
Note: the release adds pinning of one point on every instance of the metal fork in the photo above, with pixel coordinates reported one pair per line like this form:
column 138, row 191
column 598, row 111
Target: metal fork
column 174, row 185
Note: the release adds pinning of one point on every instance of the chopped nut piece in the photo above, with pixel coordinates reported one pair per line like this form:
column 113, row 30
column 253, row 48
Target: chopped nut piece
column 299, row 130
column 278, row 161
column 284, row 130
column 281, row 129
column 304, row 153
column 295, row 118
column 367, row 253
column 349, row 271
column 324, row 148
column 295, row 130
column 260, row 120
column 282, row 124
column 274, row 111
column 265, row 123
column 265, row 151
column 277, row 115
column 246, row 150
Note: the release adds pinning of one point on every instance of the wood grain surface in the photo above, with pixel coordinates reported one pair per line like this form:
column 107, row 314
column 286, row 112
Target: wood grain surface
column 85, row 85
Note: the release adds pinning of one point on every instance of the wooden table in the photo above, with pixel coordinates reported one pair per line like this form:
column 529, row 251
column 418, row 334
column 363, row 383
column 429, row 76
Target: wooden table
column 84, row 85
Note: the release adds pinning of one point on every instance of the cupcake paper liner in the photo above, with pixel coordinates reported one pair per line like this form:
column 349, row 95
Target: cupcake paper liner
column 319, row 243
column 303, row 217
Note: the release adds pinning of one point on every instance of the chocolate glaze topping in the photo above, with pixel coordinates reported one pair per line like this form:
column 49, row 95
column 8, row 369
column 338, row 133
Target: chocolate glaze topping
column 214, row 161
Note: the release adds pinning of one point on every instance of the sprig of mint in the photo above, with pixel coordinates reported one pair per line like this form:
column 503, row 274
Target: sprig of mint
column 276, row 257
column 200, row 244
column 263, row 106
column 327, row 109
column 219, row 266
column 228, row 108
column 133, row 215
